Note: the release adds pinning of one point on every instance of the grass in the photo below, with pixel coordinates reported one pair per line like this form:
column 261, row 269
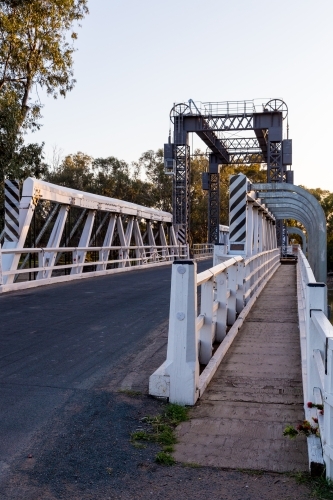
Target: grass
column 162, row 431
column 164, row 458
column 321, row 488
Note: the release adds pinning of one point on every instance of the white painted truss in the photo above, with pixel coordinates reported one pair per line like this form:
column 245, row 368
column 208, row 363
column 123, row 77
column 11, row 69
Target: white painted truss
column 129, row 235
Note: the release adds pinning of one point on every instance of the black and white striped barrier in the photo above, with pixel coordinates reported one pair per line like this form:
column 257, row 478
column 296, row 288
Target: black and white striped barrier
column 12, row 210
column 251, row 225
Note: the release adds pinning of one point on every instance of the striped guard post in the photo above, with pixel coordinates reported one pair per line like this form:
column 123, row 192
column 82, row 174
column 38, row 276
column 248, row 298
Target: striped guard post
column 237, row 213
column 181, row 235
column 12, row 202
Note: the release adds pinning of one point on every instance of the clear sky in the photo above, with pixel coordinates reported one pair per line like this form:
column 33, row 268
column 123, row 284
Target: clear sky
column 136, row 58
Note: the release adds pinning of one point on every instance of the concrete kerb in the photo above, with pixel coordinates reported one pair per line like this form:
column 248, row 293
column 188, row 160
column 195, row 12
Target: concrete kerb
column 210, row 370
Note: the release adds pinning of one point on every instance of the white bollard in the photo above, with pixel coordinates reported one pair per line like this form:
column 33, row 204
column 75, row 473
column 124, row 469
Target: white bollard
column 178, row 377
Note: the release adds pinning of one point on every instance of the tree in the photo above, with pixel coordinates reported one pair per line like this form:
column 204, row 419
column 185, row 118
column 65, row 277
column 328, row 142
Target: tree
column 152, row 164
column 34, row 47
column 75, row 171
column 35, row 50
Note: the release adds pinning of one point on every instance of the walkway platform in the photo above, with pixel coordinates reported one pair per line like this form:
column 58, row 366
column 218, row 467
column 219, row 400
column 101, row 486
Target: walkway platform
column 256, row 392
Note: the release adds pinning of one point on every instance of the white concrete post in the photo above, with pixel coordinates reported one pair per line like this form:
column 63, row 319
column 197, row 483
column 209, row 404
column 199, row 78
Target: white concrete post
column 232, row 287
column 178, row 377
column 207, row 330
column 328, row 412
column 219, row 254
column 315, row 300
column 240, row 287
column 221, row 313
column 249, row 229
column 255, row 230
column 247, row 285
column 260, row 231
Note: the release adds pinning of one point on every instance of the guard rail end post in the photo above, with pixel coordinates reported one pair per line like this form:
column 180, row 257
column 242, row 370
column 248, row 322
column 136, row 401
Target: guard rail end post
column 315, row 300
column 178, row 377
column 328, row 412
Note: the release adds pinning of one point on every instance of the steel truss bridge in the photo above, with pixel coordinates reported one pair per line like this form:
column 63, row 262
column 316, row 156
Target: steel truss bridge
column 83, row 235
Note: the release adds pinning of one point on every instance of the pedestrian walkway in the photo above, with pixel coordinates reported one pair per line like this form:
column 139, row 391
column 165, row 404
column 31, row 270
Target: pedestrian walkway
column 256, row 392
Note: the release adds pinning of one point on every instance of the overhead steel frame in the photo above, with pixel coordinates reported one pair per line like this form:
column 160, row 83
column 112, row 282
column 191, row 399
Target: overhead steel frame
column 211, row 122
column 287, row 201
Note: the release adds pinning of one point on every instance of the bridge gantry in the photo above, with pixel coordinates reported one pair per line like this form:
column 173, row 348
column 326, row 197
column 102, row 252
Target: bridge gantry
column 261, row 141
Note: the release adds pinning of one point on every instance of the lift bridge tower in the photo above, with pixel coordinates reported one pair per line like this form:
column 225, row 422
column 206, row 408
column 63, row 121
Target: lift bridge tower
column 235, row 132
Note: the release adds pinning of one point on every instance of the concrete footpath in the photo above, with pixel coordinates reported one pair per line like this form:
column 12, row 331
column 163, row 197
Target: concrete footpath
column 256, row 392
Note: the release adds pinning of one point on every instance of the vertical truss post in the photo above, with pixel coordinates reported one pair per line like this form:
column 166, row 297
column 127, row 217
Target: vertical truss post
column 213, row 199
column 104, row 253
column 48, row 258
column 181, row 182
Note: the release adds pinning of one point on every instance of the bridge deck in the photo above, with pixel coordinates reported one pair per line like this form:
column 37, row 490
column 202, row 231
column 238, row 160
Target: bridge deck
column 255, row 393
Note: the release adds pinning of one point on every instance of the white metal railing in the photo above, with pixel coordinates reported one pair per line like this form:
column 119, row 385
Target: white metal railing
column 228, row 291
column 201, row 250
column 317, row 362
column 49, row 268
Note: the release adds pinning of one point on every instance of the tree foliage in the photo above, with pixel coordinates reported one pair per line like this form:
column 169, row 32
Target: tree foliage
column 36, row 49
